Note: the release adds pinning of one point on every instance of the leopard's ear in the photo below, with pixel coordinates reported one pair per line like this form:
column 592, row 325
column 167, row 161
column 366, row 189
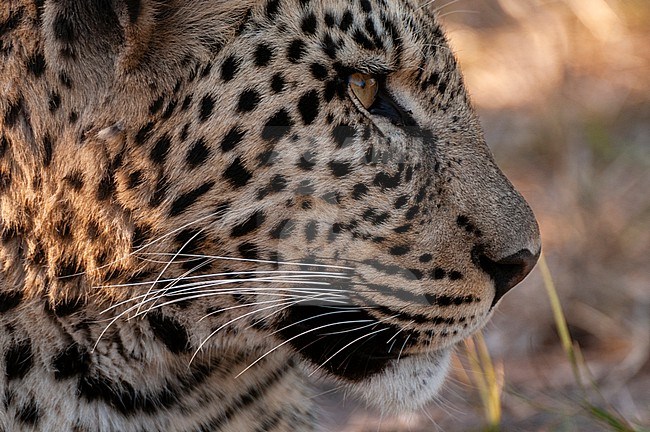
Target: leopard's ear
column 168, row 31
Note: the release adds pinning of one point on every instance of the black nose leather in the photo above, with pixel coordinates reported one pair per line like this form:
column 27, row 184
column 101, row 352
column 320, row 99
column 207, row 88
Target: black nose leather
column 506, row 272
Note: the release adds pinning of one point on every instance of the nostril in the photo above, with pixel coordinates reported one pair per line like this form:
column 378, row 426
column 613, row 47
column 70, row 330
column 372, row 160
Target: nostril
column 506, row 272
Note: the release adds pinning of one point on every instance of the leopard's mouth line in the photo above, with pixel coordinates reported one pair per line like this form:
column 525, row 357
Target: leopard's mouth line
column 354, row 345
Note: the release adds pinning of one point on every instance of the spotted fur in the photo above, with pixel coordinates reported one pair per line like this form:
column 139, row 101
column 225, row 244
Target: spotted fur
column 198, row 217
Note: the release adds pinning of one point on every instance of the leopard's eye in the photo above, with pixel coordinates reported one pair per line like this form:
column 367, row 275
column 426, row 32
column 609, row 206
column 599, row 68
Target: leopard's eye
column 365, row 88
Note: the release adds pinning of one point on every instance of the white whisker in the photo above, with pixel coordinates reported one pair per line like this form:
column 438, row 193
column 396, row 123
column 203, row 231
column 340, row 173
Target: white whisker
column 289, row 340
column 171, row 261
column 238, row 273
column 217, row 257
column 402, row 349
column 287, row 304
column 347, row 345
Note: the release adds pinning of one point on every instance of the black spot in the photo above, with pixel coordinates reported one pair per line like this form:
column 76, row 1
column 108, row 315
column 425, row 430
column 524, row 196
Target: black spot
column 72, row 360
column 346, row 21
column 309, row 24
column 296, row 50
column 237, row 174
column 160, row 150
column 204, row 73
column 311, row 230
column 455, row 275
column 75, row 180
column 425, row 258
column 156, row 105
column 229, row 68
column 308, row 106
column 232, row 138
column 272, row 8
column 365, row 6
column 283, row 229
column 207, row 106
column 54, row 102
column 12, row 22
column 462, row 221
column 171, row 106
column 72, row 117
column 18, row 359
column 197, row 154
column 263, row 54
column 362, row 40
column 340, row 169
column 5, row 181
column 403, row 229
column 329, row 20
column 359, row 191
column 63, row 29
column 399, row 250
column 36, row 64
column 277, row 183
column 184, row 132
column 248, row 251
column 305, row 188
column 143, row 133
column 159, row 192
column 438, row 273
column 181, row 203
column 277, row 126
column 170, row 332
column 277, row 83
column 318, row 71
column 410, row 214
column 65, row 79
column 63, row 229
column 106, row 187
column 386, row 181
column 4, row 145
column 253, row 222
column 330, row 90
column 47, row 150
column 133, row 8
column 190, row 240
column 141, row 234
column 29, row 413
column 401, row 202
column 306, row 161
column 248, row 100
column 370, row 28
column 343, row 134
column 187, row 101
column 68, row 269
column 329, row 46
column 12, row 113
column 93, row 231
column 371, row 215
column 9, row 300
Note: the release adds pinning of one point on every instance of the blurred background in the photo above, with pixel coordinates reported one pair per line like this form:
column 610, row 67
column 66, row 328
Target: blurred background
column 563, row 91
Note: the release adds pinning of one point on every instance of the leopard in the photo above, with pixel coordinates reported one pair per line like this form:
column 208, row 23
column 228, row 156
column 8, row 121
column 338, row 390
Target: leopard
column 208, row 208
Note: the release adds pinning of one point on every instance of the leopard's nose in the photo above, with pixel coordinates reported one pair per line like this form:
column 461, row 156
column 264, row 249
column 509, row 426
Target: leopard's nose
column 506, row 272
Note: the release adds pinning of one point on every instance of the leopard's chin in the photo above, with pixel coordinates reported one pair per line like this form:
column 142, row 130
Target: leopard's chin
column 405, row 385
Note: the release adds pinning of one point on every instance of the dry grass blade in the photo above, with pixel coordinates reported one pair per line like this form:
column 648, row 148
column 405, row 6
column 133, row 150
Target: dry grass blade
column 560, row 320
column 486, row 379
column 605, row 415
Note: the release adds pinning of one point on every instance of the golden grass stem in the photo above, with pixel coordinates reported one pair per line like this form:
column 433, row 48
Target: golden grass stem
column 560, row 320
column 485, row 378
